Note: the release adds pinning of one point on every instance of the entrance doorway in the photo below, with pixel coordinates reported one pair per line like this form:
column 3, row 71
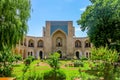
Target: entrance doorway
column 60, row 53
column 41, row 55
column 77, row 55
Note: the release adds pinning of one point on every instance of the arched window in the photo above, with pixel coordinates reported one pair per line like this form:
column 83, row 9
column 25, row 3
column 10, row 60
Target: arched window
column 31, row 43
column 87, row 44
column 88, row 55
column 40, row 43
column 77, row 43
column 58, row 42
column 30, row 54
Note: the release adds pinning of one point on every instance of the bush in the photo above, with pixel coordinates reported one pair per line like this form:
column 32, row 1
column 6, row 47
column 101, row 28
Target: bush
column 17, row 58
column 29, row 60
column 32, row 58
column 52, row 75
column 83, row 58
column 34, row 76
column 54, row 61
column 78, row 64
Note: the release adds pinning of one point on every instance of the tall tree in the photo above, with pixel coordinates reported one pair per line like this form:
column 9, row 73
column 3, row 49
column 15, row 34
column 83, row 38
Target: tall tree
column 101, row 19
column 14, row 15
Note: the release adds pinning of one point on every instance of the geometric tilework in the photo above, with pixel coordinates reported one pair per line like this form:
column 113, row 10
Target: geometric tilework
column 59, row 25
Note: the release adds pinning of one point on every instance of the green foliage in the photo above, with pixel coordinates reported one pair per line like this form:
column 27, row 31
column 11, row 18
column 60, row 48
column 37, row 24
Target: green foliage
column 104, row 58
column 52, row 75
column 83, row 58
column 101, row 19
column 35, row 76
column 54, row 61
column 24, row 70
column 14, row 15
column 17, row 57
column 78, row 64
column 6, row 60
column 29, row 60
column 104, row 54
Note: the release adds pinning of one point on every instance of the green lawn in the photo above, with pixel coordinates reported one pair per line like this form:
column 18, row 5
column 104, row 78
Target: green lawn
column 70, row 72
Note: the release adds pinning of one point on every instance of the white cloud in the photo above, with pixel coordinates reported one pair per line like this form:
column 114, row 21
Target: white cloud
column 83, row 9
column 77, row 29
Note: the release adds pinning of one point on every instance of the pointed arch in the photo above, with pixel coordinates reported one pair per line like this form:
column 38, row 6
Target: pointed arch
column 40, row 43
column 31, row 43
column 87, row 44
column 77, row 43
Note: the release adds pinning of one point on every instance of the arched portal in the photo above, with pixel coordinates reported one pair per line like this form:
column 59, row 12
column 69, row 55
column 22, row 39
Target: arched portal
column 59, row 41
column 60, row 53
column 41, row 55
column 77, row 54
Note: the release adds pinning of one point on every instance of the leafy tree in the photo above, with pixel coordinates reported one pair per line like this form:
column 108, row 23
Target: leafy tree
column 14, row 15
column 105, row 60
column 6, row 60
column 54, row 61
column 101, row 19
column 55, row 74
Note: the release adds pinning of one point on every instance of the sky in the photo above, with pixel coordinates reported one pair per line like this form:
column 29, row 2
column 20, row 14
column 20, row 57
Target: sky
column 55, row 10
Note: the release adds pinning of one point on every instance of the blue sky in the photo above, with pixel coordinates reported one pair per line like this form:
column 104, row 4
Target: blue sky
column 60, row 10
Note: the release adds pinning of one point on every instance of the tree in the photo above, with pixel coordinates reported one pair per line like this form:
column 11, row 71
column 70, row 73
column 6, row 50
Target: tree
column 54, row 61
column 105, row 63
column 56, row 73
column 6, row 60
column 101, row 19
column 14, row 15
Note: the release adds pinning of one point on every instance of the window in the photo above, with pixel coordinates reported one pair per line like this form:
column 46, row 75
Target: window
column 58, row 42
column 31, row 43
column 87, row 44
column 77, row 44
column 88, row 55
column 40, row 43
column 28, row 53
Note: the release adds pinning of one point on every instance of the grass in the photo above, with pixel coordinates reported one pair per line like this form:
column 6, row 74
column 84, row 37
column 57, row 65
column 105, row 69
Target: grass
column 70, row 72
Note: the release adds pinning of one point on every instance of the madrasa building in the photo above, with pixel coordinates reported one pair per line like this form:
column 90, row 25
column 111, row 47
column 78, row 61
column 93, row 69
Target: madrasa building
column 58, row 36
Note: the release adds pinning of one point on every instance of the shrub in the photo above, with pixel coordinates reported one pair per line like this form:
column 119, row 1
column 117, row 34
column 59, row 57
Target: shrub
column 78, row 64
column 17, row 58
column 29, row 60
column 104, row 57
column 52, row 75
column 54, row 61
column 83, row 58
column 34, row 76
